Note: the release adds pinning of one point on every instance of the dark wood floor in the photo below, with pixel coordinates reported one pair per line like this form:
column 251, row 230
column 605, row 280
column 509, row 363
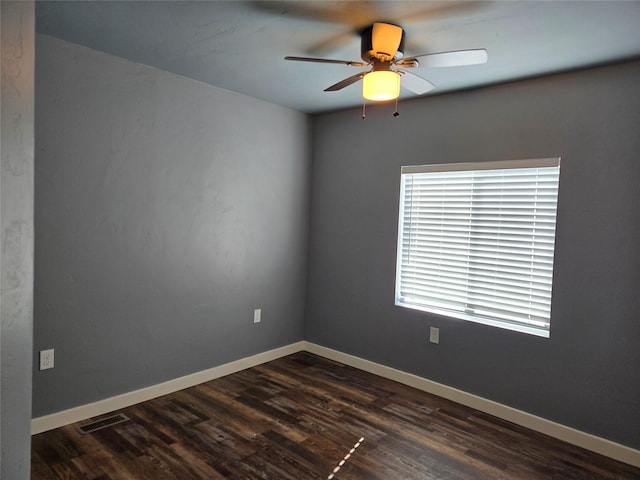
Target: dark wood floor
column 298, row 418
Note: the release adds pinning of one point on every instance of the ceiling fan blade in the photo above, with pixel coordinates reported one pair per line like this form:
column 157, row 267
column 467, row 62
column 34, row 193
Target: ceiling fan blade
column 385, row 39
column 346, row 82
column 447, row 59
column 326, row 60
column 415, row 83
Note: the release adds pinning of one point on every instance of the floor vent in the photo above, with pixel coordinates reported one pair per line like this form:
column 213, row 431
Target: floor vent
column 102, row 423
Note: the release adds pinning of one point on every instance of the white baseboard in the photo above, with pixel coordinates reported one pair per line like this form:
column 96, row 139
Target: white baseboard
column 590, row 442
column 599, row 445
column 83, row 412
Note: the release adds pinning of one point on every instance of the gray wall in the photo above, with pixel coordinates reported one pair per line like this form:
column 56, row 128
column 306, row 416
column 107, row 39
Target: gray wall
column 16, row 230
column 166, row 212
column 586, row 375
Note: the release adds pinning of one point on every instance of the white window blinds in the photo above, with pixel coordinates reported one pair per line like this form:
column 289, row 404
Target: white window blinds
column 476, row 241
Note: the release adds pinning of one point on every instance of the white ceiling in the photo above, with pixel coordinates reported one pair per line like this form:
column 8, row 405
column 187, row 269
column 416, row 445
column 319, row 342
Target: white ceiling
column 240, row 45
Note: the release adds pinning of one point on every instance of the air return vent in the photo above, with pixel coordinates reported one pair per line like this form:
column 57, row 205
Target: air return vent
column 102, row 423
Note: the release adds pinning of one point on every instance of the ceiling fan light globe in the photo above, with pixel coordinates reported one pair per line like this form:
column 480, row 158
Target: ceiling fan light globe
column 381, row 86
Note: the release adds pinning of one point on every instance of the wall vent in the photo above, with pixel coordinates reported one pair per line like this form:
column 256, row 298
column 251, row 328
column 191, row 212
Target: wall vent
column 102, row 423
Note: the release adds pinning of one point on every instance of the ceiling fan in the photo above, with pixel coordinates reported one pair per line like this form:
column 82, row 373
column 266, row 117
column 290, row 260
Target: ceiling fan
column 382, row 49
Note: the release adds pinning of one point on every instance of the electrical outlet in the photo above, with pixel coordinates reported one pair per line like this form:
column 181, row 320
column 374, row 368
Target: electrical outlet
column 257, row 315
column 434, row 335
column 46, row 359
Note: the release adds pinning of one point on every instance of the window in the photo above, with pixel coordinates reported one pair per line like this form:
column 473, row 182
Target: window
column 476, row 241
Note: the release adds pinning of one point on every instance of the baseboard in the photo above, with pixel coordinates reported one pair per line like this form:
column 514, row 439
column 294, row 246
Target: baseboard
column 590, row 442
column 83, row 412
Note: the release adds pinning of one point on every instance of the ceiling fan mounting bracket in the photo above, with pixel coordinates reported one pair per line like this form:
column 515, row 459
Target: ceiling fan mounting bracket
column 409, row 63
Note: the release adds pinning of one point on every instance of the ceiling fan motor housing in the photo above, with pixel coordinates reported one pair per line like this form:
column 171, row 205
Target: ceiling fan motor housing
column 368, row 53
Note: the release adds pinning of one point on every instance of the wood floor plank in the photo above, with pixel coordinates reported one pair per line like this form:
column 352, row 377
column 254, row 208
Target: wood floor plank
column 299, row 418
